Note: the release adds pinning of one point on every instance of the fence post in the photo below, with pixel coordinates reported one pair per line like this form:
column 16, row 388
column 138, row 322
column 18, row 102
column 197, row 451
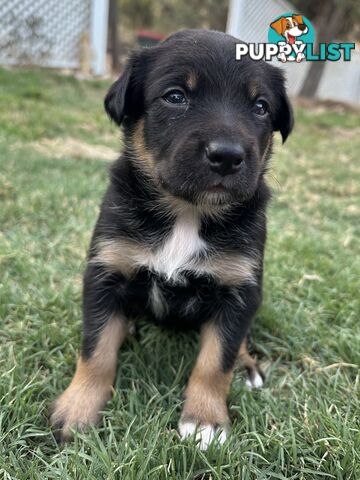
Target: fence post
column 235, row 17
column 98, row 35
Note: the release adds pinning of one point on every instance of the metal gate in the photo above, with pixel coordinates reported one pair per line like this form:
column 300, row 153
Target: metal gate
column 54, row 33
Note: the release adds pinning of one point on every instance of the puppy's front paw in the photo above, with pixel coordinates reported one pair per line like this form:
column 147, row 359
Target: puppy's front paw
column 205, row 434
column 205, row 416
column 77, row 408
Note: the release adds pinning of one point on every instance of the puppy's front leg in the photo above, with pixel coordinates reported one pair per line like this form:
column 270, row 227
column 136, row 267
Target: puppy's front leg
column 104, row 331
column 205, row 407
column 205, row 411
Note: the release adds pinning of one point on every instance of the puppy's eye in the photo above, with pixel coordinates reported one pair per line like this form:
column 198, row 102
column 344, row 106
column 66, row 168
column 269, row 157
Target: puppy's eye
column 261, row 107
column 177, row 97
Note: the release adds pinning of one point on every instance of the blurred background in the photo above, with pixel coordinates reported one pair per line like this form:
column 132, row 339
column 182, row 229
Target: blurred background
column 93, row 37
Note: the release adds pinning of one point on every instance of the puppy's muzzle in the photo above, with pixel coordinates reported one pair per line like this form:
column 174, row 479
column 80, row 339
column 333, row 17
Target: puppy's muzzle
column 224, row 157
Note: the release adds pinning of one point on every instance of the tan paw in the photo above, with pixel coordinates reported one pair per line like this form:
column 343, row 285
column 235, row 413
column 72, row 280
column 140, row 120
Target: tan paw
column 78, row 407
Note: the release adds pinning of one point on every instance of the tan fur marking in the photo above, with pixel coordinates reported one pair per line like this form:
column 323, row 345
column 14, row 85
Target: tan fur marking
column 91, row 386
column 245, row 358
column 120, row 255
column 253, row 89
column 126, row 256
column 175, row 206
column 142, row 156
column 191, row 80
column 208, row 386
column 232, row 269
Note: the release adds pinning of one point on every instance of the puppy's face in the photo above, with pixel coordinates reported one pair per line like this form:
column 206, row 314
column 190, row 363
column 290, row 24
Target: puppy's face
column 196, row 121
column 290, row 27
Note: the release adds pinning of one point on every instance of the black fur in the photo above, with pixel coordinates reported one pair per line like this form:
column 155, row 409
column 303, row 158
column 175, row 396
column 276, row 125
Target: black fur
column 221, row 107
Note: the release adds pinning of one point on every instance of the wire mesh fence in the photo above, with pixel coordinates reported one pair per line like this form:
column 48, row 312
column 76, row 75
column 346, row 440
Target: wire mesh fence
column 49, row 33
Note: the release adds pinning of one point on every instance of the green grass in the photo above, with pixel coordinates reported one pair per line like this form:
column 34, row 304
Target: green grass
column 305, row 423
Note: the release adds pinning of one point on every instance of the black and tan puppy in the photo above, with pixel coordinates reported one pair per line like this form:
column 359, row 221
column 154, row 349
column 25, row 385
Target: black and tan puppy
column 181, row 233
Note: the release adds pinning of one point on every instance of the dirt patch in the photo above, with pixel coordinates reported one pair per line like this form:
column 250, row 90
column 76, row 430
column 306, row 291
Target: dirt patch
column 323, row 106
column 74, row 148
column 346, row 133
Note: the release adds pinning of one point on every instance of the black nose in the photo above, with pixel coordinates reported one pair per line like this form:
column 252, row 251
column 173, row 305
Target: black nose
column 225, row 157
column 302, row 26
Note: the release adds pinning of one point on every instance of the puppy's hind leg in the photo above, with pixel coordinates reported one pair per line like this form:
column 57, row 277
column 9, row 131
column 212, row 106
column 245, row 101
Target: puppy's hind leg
column 255, row 376
column 104, row 330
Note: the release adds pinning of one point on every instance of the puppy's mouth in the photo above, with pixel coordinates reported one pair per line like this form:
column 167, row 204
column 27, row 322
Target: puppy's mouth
column 219, row 188
column 218, row 194
column 291, row 38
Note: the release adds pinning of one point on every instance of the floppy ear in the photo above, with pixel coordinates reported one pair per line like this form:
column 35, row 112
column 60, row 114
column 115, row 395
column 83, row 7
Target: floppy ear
column 278, row 26
column 114, row 102
column 299, row 19
column 284, row 120
column 126, row 93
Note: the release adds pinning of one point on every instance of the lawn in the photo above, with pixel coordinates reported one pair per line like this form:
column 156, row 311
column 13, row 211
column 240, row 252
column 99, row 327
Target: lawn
column 55, row 147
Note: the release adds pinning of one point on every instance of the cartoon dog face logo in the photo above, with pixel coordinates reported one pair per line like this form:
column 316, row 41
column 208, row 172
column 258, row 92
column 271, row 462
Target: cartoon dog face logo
column 291, row 28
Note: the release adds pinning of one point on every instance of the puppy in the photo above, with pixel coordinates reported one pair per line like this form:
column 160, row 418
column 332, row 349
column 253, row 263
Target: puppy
column 181, row 232
column 291, row 28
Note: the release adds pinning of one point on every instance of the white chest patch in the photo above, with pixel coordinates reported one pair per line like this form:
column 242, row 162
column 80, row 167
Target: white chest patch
column 181, row 249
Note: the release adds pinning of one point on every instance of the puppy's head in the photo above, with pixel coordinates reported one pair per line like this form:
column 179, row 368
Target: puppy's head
column 196, row 121
column 290, row 27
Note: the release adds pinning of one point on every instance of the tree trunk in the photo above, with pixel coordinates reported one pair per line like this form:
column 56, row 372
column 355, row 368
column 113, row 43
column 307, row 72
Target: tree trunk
column 330, row 20
column 114, row 38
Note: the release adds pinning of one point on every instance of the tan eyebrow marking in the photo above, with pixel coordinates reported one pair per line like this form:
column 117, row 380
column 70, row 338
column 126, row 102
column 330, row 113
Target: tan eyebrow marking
column 253, row 89
column 192, row 80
